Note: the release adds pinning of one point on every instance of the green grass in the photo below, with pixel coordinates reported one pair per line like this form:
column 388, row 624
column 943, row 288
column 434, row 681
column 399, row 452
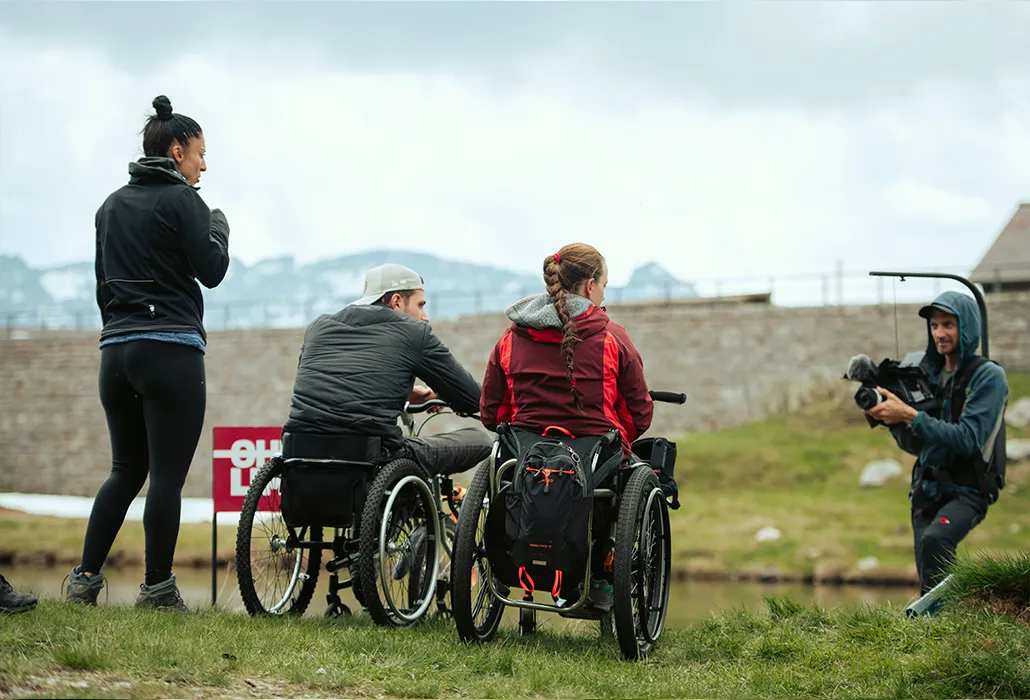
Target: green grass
column 66, row 651
column 1019, row 387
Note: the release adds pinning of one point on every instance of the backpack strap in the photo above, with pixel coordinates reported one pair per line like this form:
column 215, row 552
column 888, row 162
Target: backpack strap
column 956, row 398
column 958, row 386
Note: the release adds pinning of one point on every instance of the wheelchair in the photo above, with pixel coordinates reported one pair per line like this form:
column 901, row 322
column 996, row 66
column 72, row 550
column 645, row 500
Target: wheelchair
column 383, row 525
column 630, row 542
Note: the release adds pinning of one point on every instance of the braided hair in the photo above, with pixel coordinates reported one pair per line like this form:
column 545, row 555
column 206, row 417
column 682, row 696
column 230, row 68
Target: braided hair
column 165, row 127
column 564, row 272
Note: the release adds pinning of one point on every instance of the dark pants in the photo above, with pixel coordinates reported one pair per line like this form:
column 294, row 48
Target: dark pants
column 450, row 453
column 154, row 396
column 938, row 529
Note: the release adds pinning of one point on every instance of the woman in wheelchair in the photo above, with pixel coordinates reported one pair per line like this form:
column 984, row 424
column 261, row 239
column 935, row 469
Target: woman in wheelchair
column 564, row 363
column 565, row 392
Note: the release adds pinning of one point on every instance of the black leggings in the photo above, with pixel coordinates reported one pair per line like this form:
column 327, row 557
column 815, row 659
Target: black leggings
column 154, row 395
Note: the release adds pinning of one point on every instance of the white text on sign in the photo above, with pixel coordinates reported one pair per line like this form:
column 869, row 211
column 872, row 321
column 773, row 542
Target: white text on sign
column 245, row 454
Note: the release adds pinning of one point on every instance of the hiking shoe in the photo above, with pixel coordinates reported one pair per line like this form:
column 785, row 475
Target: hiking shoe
column 83, row 589
column 11, row 601
column 161, row 596
column 601, row 593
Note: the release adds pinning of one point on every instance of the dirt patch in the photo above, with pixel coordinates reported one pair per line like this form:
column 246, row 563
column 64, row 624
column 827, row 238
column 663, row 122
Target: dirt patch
column 120, row 686
column 1017, row 609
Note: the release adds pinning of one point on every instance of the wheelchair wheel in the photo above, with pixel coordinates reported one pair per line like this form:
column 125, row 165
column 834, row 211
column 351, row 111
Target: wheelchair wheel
column 399, row 545
column 274, row 577
column 477, row 613
column 642, row 553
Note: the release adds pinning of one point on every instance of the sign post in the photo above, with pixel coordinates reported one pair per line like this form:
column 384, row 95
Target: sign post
column 236, row 455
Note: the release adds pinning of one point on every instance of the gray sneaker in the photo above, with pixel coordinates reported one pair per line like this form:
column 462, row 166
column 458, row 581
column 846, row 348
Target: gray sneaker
column 84, row 589
column 160, row 596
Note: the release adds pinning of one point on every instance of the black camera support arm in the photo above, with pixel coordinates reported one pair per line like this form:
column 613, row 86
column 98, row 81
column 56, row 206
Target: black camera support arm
column 977, row 294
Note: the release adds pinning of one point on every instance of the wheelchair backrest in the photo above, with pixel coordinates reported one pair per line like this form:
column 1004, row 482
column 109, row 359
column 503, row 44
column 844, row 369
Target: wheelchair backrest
column 593, row 450
column 326, row 478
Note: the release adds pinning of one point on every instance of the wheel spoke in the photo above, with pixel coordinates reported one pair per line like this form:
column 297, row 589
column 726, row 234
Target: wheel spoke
column 274, row 577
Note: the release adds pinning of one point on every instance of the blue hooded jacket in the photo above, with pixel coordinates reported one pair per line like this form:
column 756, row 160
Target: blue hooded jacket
column 986, row 396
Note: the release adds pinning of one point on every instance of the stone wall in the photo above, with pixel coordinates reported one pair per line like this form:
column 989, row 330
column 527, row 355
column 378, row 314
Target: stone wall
column 737, row 363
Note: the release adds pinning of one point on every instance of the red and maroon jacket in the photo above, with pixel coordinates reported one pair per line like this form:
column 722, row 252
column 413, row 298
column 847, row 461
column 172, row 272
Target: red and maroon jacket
column 526, row 385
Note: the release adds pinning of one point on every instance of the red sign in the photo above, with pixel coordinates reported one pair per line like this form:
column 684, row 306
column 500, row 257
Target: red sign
column 237, row 455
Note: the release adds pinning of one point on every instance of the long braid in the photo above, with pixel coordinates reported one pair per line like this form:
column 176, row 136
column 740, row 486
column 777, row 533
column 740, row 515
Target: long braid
column 568, row 326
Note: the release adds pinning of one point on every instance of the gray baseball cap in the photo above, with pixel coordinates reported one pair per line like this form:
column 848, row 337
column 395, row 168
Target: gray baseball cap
column 388, row 278
column 927, row 311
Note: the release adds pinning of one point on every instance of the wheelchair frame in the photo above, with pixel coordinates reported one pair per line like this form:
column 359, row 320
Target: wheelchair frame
column 347, row 549
column 637, row 637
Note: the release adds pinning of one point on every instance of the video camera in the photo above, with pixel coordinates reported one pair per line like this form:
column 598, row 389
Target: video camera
column 906, row 379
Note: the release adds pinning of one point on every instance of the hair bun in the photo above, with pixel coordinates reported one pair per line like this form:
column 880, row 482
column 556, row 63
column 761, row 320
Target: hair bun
column 163, row 107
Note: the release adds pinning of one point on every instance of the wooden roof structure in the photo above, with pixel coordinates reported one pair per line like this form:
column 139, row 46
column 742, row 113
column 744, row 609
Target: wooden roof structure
column 1007, row 262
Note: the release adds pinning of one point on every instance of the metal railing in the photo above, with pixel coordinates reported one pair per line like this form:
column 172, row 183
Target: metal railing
column 837, row 288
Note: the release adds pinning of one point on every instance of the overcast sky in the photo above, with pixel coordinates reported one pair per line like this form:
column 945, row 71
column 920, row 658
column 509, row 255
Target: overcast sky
column 719, row 139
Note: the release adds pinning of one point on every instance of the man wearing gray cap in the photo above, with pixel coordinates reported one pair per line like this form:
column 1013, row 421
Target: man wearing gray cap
column 961, row 447
column 357, row 369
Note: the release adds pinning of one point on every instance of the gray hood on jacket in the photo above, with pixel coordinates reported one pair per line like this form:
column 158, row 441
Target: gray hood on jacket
column 538, row 311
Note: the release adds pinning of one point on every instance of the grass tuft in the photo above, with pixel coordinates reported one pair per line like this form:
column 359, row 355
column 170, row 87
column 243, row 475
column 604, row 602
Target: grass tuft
column 999, row 582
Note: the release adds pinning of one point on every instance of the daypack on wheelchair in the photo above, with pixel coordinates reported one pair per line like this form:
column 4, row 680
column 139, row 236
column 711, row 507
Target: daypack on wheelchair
column 539, row 537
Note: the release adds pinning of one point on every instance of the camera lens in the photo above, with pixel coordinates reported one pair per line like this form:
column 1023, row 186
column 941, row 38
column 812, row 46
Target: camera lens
column 866, row 397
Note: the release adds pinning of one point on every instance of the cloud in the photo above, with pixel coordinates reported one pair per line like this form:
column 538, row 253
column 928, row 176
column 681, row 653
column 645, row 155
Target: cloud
column 922, row 201
column 568, row 139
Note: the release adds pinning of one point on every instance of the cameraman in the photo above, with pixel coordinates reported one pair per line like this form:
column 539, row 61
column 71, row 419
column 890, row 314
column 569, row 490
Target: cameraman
column 961, row 447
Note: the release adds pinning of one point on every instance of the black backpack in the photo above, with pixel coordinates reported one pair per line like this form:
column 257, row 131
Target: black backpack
column 537, row 529
column 549, row 508
column 990, row 476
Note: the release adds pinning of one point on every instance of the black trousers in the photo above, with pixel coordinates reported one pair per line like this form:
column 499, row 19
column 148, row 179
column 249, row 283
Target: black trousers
column 450, row 453
column 154, row 396
column 938, row 529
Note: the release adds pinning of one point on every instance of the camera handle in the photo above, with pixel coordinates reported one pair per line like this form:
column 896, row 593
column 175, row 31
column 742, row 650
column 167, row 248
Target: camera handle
column 977, row 294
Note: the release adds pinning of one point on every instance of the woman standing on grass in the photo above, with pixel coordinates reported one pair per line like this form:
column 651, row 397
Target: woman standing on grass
column 155, row 239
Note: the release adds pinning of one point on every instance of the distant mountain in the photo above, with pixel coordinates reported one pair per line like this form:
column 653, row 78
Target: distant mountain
column 279, row 293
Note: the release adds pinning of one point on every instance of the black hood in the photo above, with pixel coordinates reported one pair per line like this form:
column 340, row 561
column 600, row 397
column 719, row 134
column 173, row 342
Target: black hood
column 148, row 169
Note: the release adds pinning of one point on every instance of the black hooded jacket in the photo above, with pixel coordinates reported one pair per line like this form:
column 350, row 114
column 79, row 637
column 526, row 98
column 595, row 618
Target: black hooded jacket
column 155, row 239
